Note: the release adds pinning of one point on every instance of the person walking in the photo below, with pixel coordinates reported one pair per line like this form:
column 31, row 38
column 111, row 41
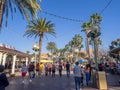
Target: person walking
column 41, row 67
column 87, row 72
column 60, row 69
column 53, row 70
column 50, row 68
column 68, row 69
column 37, row 69
column 77, row 76
column 46, row 69
column 82, row 77
column 24, row 71
column 3, row 79
column 31, row 70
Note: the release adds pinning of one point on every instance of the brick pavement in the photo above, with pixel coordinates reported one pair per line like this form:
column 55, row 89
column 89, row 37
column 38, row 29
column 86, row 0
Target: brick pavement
column 44, row 83
column 112, row 80
column 57, row 83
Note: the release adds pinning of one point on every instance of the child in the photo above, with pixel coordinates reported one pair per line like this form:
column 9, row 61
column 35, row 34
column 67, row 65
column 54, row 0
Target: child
column 3, row 79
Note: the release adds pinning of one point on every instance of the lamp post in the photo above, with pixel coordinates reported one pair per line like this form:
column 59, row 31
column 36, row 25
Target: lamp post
column 35, row 48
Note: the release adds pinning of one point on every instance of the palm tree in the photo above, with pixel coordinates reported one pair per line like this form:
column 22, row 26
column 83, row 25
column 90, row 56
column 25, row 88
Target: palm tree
column 40, row 28
column 96, row 20
column 86, row 27
column 27, row 8
column 62, row 53
column 51, row 47
column 67, row 51
column 77, row 44
column 98, row 43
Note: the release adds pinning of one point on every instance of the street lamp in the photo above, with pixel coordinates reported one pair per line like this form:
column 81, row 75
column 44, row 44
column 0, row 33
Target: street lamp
column 35, row 48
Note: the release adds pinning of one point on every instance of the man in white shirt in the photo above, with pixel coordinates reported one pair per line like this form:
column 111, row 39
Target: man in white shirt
column 77, row 75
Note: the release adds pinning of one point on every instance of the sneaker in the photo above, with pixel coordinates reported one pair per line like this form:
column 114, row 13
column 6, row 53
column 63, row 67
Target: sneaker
column 30, row 80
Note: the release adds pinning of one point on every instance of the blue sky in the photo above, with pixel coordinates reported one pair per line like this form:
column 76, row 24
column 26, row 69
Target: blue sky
column 66, row 29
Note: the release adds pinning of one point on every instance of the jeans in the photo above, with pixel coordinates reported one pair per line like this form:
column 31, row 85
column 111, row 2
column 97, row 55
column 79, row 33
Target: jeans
column 68, row 73
column 77, row 83
column 87, row 78
column 60, row 73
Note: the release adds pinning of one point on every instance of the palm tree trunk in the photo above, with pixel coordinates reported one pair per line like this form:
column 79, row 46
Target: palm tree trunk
column 87, row 46
column 51, row 55
column 40, row 46
column 97, row 49
column 2, row 2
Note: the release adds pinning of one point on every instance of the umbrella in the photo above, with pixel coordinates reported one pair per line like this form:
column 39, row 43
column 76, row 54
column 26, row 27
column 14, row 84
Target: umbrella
column 82, row 61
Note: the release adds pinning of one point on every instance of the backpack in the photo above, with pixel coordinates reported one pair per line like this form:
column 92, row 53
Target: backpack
column 31, row 68
column 4, row 80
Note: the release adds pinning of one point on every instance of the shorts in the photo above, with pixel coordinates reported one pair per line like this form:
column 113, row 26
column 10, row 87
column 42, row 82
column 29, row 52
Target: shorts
column 23, row 74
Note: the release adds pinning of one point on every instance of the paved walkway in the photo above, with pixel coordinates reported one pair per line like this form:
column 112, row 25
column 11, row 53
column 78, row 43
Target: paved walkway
column 113, row 83
column 57, row 83
column 44, row 83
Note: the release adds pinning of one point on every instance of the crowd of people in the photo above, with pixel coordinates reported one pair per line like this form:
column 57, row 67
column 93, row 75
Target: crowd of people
column 49, row 69
column 46, row 69
column 79, row 70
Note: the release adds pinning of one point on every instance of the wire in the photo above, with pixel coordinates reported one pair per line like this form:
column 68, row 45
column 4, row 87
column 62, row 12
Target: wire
column 105, row 7
column 75, row 20
column 66, row 18
column 61, row 17
column 18, row 34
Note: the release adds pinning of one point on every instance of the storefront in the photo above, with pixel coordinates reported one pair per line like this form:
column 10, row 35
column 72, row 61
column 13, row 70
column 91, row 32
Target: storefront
column 116, row 52
column 11, row 58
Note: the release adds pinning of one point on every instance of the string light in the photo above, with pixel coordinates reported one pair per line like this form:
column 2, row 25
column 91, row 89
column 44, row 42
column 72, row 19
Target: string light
column 61, row 17
column 75, row 20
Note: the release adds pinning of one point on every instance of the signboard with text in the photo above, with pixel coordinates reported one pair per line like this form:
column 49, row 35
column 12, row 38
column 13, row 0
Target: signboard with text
column 102, row 81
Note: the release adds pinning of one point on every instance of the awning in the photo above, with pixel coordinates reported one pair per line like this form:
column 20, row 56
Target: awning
column 46, row 61
column 115, row 50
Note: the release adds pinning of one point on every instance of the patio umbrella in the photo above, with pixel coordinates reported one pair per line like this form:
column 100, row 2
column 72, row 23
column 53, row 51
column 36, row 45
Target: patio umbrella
column 82, row 61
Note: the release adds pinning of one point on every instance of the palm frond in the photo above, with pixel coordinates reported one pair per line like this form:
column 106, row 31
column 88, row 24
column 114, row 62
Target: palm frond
column 27, row 8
